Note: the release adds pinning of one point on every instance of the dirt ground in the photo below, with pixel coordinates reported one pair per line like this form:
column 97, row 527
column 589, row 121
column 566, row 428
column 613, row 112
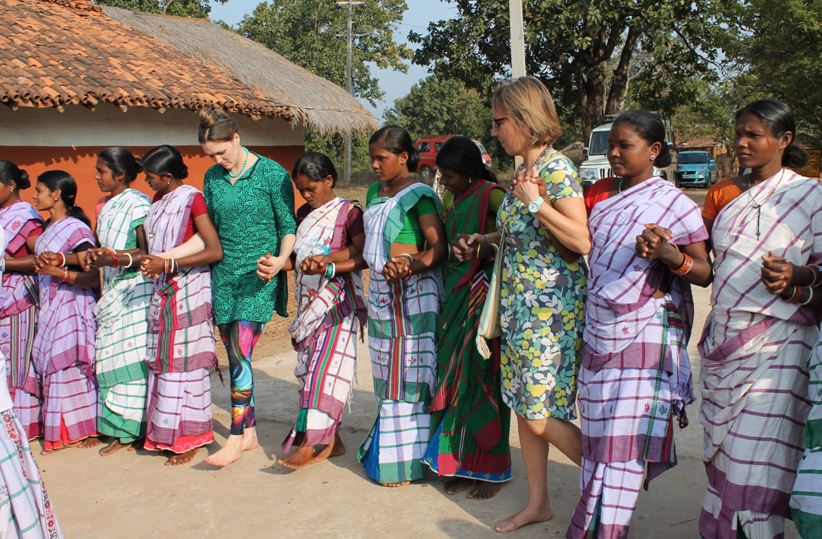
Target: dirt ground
column 134, row 495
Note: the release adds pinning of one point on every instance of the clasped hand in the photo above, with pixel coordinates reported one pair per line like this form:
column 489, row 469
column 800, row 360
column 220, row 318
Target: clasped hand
column 527, row 186
column 777, row 273
column 654, row 244
column 268, row 266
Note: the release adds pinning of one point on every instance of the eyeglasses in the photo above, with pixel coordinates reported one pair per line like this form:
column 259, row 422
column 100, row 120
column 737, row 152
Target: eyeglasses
column 498, row 121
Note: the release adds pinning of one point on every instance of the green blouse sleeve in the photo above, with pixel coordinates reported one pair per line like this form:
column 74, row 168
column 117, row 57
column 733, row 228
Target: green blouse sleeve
column 282, row 201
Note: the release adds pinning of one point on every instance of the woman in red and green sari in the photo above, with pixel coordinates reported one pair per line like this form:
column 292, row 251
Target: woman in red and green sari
column 469, row 441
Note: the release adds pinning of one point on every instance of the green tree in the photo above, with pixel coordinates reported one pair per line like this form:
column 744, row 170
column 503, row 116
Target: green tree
column 584, row 51
column 312, row 34
column 441, row 106
column 781, row 52
column 183, row 8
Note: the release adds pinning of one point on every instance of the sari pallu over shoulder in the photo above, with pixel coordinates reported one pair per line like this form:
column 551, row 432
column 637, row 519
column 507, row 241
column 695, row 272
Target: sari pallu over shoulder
column 66, row 325
column 755, row 351
column 19, row 292
column 402, row 316
column 116, row 225
column 181, row 337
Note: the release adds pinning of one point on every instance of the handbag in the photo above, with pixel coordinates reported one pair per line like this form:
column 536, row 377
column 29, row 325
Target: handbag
column 489, row 327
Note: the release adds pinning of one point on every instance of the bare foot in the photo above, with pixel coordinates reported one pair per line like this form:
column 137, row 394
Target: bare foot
column 301, row 458
column 334, row 449
column 135, row 445
column 456, row 484
column 249, row 439
column 231, row 452
column 88, row 442
column 182, row 458
column 394, row 485
column 112, row 448
column 523, row 518
column 483, row 490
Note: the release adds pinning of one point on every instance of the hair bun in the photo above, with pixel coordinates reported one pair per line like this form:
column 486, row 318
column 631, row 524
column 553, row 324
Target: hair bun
column 208, row 117
column 23, row 181
column 794, row 157
column 183, row 172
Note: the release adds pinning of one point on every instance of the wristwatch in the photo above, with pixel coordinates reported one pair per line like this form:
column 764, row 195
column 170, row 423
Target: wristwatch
column 535, row 204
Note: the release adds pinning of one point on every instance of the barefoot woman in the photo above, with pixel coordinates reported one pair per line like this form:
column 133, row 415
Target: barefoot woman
column 251, row 202
column 63, row 352
column 470, row 432
column 122, row 326
column 404, row 244
column 543, row 286
column 330, row 310
column 180, row 326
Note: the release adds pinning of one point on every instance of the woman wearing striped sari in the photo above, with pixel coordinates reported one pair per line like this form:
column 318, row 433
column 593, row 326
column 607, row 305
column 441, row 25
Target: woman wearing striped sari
column 121, row 311
column 804, row 283
column 756, row 346
column 330, row 309
column 404, row 244
column 181, row 348
column 18, row 298
column 470, row 427
column 25, row 508
column 63, row 350
column 635, row 378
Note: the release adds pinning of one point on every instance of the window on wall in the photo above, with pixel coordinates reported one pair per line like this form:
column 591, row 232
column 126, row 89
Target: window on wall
column 423, row 147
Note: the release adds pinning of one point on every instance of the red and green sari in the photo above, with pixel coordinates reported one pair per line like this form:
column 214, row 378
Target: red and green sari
column 469, row 421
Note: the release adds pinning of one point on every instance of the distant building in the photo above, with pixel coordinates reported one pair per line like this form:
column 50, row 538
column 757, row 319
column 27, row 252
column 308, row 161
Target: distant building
column 76, row 78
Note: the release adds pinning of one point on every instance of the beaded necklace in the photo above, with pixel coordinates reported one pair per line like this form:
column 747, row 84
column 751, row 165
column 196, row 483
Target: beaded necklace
column 239, row 173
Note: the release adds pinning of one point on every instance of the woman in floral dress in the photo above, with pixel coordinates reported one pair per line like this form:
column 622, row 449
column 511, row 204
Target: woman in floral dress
column 545, row 228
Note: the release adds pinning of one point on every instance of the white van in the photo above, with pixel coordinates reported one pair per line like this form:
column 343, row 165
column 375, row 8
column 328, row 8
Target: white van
column 596, row 166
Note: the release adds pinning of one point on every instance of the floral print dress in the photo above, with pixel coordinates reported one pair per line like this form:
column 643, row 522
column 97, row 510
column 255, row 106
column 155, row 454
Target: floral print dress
column 542, row 305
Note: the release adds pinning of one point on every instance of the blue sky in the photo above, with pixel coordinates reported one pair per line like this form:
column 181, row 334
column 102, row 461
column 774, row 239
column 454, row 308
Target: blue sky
column 394, row 84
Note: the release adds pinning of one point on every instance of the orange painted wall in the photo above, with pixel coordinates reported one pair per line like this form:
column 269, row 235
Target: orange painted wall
column 80, row 163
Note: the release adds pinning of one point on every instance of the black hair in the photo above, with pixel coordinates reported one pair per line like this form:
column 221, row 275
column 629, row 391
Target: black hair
column 165, row 159
column 396, row 140
column 650, row 127
column 778, row 119
column 11, row 174
column 121, row 161
column 315, row 166
column 462, row 155
column 60, row 179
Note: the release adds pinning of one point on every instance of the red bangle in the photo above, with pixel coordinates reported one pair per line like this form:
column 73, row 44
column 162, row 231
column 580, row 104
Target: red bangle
column 685, row 267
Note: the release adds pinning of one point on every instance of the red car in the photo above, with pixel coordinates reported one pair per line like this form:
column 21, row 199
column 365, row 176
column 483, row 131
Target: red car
column 428, row 148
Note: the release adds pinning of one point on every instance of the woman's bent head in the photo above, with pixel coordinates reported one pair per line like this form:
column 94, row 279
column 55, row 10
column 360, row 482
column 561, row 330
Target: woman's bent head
column 524, row 115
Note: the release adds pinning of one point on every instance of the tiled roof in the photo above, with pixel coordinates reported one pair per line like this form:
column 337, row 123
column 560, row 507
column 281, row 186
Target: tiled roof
column 69, row 52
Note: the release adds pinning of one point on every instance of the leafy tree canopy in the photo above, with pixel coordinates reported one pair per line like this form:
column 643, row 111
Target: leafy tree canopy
column 182, row 8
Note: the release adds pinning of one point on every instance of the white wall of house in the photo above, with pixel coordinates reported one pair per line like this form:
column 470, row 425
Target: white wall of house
column 138, row 126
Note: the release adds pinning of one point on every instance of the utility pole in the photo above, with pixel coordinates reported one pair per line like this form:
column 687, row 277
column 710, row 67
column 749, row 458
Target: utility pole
column 348, row 85
column 517, row 39
column 517, row 47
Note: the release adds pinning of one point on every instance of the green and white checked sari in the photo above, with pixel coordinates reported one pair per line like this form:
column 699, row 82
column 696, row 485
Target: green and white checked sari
column 122, row 323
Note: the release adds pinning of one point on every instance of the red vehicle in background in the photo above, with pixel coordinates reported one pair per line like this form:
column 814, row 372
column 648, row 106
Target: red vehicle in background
column 428, row 148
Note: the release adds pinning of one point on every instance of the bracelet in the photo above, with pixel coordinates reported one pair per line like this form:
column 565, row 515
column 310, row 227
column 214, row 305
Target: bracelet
column 817, row 277
column 64, row 259
column 174, row 266
column 810, row 297
column 793, row 297
column 477, row 254
column 685, row 267
column 166, row 267
column 113, row 254
column 130, row 261
column 65, row 277
column 330, row 270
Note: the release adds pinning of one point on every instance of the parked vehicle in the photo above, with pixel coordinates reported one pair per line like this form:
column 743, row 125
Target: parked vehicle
column 428, row 148
column 596, row 166
column 695, row 169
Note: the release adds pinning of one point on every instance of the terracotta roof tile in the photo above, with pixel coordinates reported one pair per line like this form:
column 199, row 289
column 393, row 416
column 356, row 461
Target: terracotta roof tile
column 58, row 52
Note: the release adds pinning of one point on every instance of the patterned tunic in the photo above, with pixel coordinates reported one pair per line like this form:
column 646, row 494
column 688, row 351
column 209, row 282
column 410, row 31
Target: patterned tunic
column 252, row 217
column 542, row 305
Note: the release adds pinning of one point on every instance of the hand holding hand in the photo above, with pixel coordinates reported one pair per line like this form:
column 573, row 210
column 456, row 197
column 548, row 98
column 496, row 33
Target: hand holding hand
column 268, row 266
column 777, row 273
column 315, row 265
column 464, row 247
column 152, row 266
column 527, row 186
column 397, row 269
column 52, row 259
column 653, row 244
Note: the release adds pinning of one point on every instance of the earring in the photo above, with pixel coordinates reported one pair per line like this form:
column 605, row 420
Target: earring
column 653, row 157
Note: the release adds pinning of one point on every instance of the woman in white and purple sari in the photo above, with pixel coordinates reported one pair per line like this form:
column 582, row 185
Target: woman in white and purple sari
column 756, row 345
column 18, row 299
column 63, row 350
column 635, row 377
column 181, row 346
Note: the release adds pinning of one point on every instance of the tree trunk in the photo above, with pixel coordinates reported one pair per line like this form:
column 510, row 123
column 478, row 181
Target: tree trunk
column 592, row 102
column 620, row 82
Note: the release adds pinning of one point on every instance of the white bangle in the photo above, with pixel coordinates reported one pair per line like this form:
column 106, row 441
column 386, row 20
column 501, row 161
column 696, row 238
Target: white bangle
column 130, row 261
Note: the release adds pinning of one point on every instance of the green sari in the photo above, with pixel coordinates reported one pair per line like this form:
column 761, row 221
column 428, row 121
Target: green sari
column 470, row 423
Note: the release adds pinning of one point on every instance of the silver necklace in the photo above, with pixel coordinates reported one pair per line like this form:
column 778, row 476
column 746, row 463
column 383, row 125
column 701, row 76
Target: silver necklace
column 756, row 205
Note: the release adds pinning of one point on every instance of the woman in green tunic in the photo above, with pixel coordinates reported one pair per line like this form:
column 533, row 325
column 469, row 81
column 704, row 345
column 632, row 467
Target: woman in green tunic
column 469, row 441
column 251, row 202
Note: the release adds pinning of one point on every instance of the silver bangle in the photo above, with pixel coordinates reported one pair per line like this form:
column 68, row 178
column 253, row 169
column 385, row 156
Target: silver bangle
column 810, row 297
column 130, row 261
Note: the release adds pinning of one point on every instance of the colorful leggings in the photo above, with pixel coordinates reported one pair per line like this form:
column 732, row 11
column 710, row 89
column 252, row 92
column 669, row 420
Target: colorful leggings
column 239, row 338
